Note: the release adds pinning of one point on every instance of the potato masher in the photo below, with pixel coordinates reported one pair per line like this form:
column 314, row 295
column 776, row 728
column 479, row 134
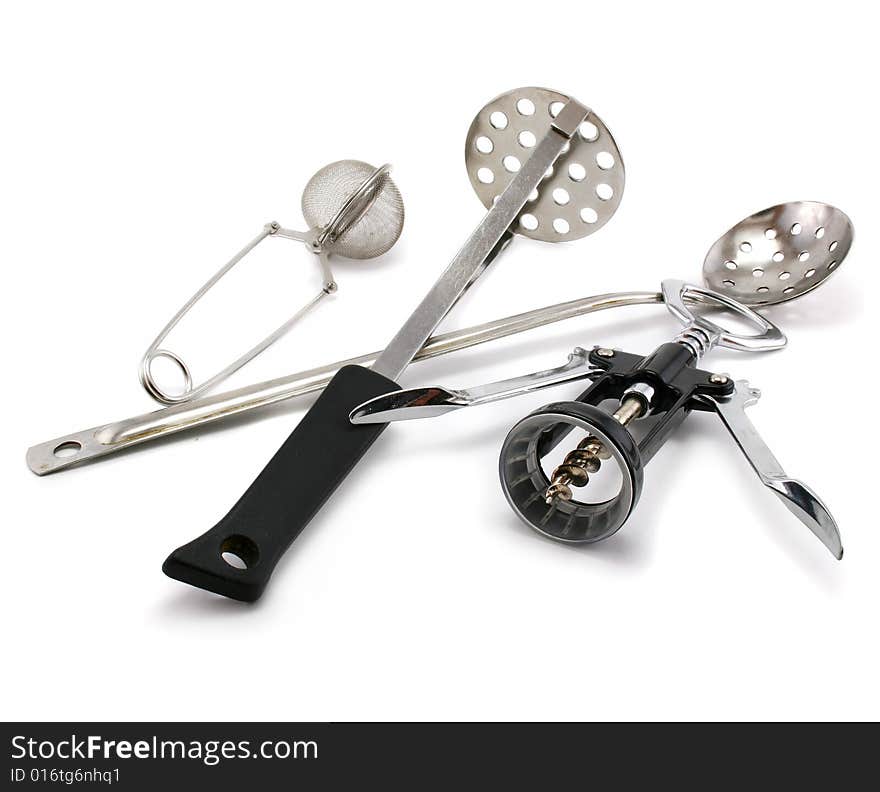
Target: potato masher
column 353, row 210
column 325, row 446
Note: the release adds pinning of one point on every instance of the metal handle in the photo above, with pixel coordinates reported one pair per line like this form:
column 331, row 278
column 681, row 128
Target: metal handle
column 707, row 334
column 406, row 405
column 699, row 336
column 99, row 441
column 156, row 351
column 798, row 498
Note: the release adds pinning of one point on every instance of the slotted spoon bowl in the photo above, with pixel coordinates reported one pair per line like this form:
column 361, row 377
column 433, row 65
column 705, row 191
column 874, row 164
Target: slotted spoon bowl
column 779, row 253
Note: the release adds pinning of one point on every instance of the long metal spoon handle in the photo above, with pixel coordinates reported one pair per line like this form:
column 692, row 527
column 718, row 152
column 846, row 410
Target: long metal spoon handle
column 63, row 452
column 798, row 498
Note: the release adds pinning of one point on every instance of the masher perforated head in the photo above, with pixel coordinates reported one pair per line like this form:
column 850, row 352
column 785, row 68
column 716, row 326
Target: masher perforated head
column 372, row 222
column 780, row 253
column 579, row 193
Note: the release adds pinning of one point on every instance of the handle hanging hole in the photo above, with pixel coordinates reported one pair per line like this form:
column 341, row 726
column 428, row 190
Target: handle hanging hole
column 67, row 449
column 239, row 552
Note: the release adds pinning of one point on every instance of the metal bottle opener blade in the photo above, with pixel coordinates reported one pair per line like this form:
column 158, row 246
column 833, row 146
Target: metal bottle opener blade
column 798, row 498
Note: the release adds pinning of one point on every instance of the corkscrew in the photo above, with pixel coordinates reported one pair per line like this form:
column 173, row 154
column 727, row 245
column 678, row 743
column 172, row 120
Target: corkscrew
column 649, row 397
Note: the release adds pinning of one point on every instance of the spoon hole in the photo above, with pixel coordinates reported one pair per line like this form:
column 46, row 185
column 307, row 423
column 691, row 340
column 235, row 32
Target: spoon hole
column 529, row 222
column 484, row 145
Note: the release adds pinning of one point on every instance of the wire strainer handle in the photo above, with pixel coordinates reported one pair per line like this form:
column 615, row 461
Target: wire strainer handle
column 156, row 351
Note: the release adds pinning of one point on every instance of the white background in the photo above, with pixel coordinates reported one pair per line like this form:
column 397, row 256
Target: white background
column 143, row 145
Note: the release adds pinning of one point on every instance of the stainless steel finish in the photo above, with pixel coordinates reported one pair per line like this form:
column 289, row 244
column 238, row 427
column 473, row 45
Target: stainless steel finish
column 631, row 407
column 643, row 391
column 406, row 405
column 357, row 208
column 719, row 379
column 779, row 253
column 100, row 441
column 585, row 186
column 471, row 259
column 108, row 438
column 700, row 334
column 798, row 498
column 354, row 210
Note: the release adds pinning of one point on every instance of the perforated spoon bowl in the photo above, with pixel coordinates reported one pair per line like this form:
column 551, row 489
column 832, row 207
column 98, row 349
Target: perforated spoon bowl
column 779, row 253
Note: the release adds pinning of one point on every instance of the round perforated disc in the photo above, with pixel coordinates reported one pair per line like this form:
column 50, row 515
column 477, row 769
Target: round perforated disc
column 779, row 253
column 581, row 191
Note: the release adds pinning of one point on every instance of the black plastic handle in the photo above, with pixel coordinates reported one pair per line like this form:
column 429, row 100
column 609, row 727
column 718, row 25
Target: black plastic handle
column 304, row 472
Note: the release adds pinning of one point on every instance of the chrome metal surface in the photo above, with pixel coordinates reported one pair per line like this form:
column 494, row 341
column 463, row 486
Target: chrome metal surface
column 779, row 253
column 63, row 452
column 643, row 391
column 406, row 405
column 354, row 210
column 108, row 438
column 427, row 402
column 700, row 334
column 584, row 187
column 522, row 476
column 470, row 261
column 798, row 498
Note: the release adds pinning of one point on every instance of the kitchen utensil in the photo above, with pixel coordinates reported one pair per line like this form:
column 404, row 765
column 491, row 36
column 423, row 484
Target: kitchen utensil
column 779, row 253
column 88, row 444
column 758, row 250
column 325, row 446
column 665, row 385
column 353, row 210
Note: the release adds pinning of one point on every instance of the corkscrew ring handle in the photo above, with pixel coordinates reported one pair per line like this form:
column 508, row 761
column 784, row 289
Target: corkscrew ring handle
column 679, row 298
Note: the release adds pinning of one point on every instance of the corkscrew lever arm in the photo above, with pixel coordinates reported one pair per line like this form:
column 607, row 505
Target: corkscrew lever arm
column 406, row 405
column 798, row 498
